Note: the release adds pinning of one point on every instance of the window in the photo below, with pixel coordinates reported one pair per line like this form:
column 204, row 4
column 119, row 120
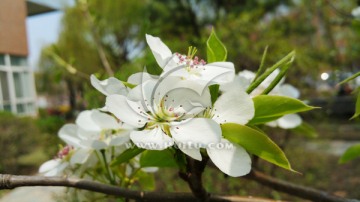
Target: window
column 18, row 82
column 20, row 108
column 2, row 59
column 18, row 60
column 4, row 86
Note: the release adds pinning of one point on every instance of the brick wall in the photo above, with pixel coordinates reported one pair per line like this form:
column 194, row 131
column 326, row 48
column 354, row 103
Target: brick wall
column 13, row 27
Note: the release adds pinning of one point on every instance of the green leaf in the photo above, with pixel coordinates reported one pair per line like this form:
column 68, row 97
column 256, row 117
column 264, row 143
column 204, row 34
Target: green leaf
column 272, row 107
column 284, row 61
column 215, row 49
column 357, row 106
column 127, row 155
column 306, row 130
column 350, row 78
column 214, row 92
column 130, row 85
column 256, row 142
column 350, row 154
column 155, row 158
column 277, row 79
column 262, row 64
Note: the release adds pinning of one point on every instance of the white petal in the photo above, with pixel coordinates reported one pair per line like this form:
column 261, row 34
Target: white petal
column 140, row 77
column 68, row 133
column 289, row 90
column 108, row 86
column 80, row 156
column 235, row 106
column 160, row 51
column 188, row 94
column 190, row 151
column 86, row 122
column 218, row 72
column 236, row 84
column 154, row 139
column 289, row 121
column 230, row 158
column 248, row 75
column 49, row 165
column 197, row 131
column 104, row 121
column 126, row 110
column 120, row 139
column 95, row 144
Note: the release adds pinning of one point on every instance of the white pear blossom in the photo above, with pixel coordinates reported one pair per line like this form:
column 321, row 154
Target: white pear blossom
column 235, row 106
column 244, row 79
column 109, row 86
column 189, row 66
column 165, row 114
column 93, row 130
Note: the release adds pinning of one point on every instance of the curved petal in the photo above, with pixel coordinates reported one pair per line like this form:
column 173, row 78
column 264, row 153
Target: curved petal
column 289, row 90
column 230, row 158
column 108, row 86
column 289, row 121
column 218, row 72
column 86, row 122
column 154, row 139
column 234, row 107
column 68, row 133
column 191, row 151
column 237, row 84
column 126, row 110
column 160, row 51
column 140, row 77
column 120, row 139
column 198, row 132
column 49, row 165
column 104, row 121
column 80, row 156
column 95, row 144
column 187, row 94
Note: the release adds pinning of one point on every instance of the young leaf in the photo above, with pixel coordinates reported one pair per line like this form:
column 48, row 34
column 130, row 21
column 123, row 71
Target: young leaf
column 256, row 142
column 129, row 85
column 214, row 92
column 285, row 60
column 127, row 155
column 357, row 106
column 350, row 154
column 305, row 129
column 215, row 49
column 262, row 64
column 277, row 79
column 272, row 107
column 350, row 78
column 154, row 158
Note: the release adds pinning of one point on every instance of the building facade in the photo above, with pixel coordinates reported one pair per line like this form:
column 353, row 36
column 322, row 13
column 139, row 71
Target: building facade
column 17, row 87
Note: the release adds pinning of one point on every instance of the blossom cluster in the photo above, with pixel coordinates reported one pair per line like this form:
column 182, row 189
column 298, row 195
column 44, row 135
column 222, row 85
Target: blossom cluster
column 175, row 109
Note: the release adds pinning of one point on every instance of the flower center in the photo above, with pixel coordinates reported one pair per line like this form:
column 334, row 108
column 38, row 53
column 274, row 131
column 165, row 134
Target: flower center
column 64, row 152
column 192, row 63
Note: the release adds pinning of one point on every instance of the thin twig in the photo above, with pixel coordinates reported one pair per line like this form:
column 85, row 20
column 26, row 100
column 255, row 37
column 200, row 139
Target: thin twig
column 97, row 38
column 13, row 181
column 294, row 189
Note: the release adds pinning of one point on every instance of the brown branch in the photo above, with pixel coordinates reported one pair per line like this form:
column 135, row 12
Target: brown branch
column 193, row 177
column 13, row 181
column 295, row 190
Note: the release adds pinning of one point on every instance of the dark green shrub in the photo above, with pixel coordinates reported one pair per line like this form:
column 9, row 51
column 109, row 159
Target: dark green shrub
column 21, row 144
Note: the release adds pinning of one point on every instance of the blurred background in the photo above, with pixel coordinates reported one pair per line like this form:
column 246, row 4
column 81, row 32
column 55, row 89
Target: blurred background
column 49, row 49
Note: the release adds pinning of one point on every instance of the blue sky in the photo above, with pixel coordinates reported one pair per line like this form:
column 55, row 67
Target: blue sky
column 42, row 30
